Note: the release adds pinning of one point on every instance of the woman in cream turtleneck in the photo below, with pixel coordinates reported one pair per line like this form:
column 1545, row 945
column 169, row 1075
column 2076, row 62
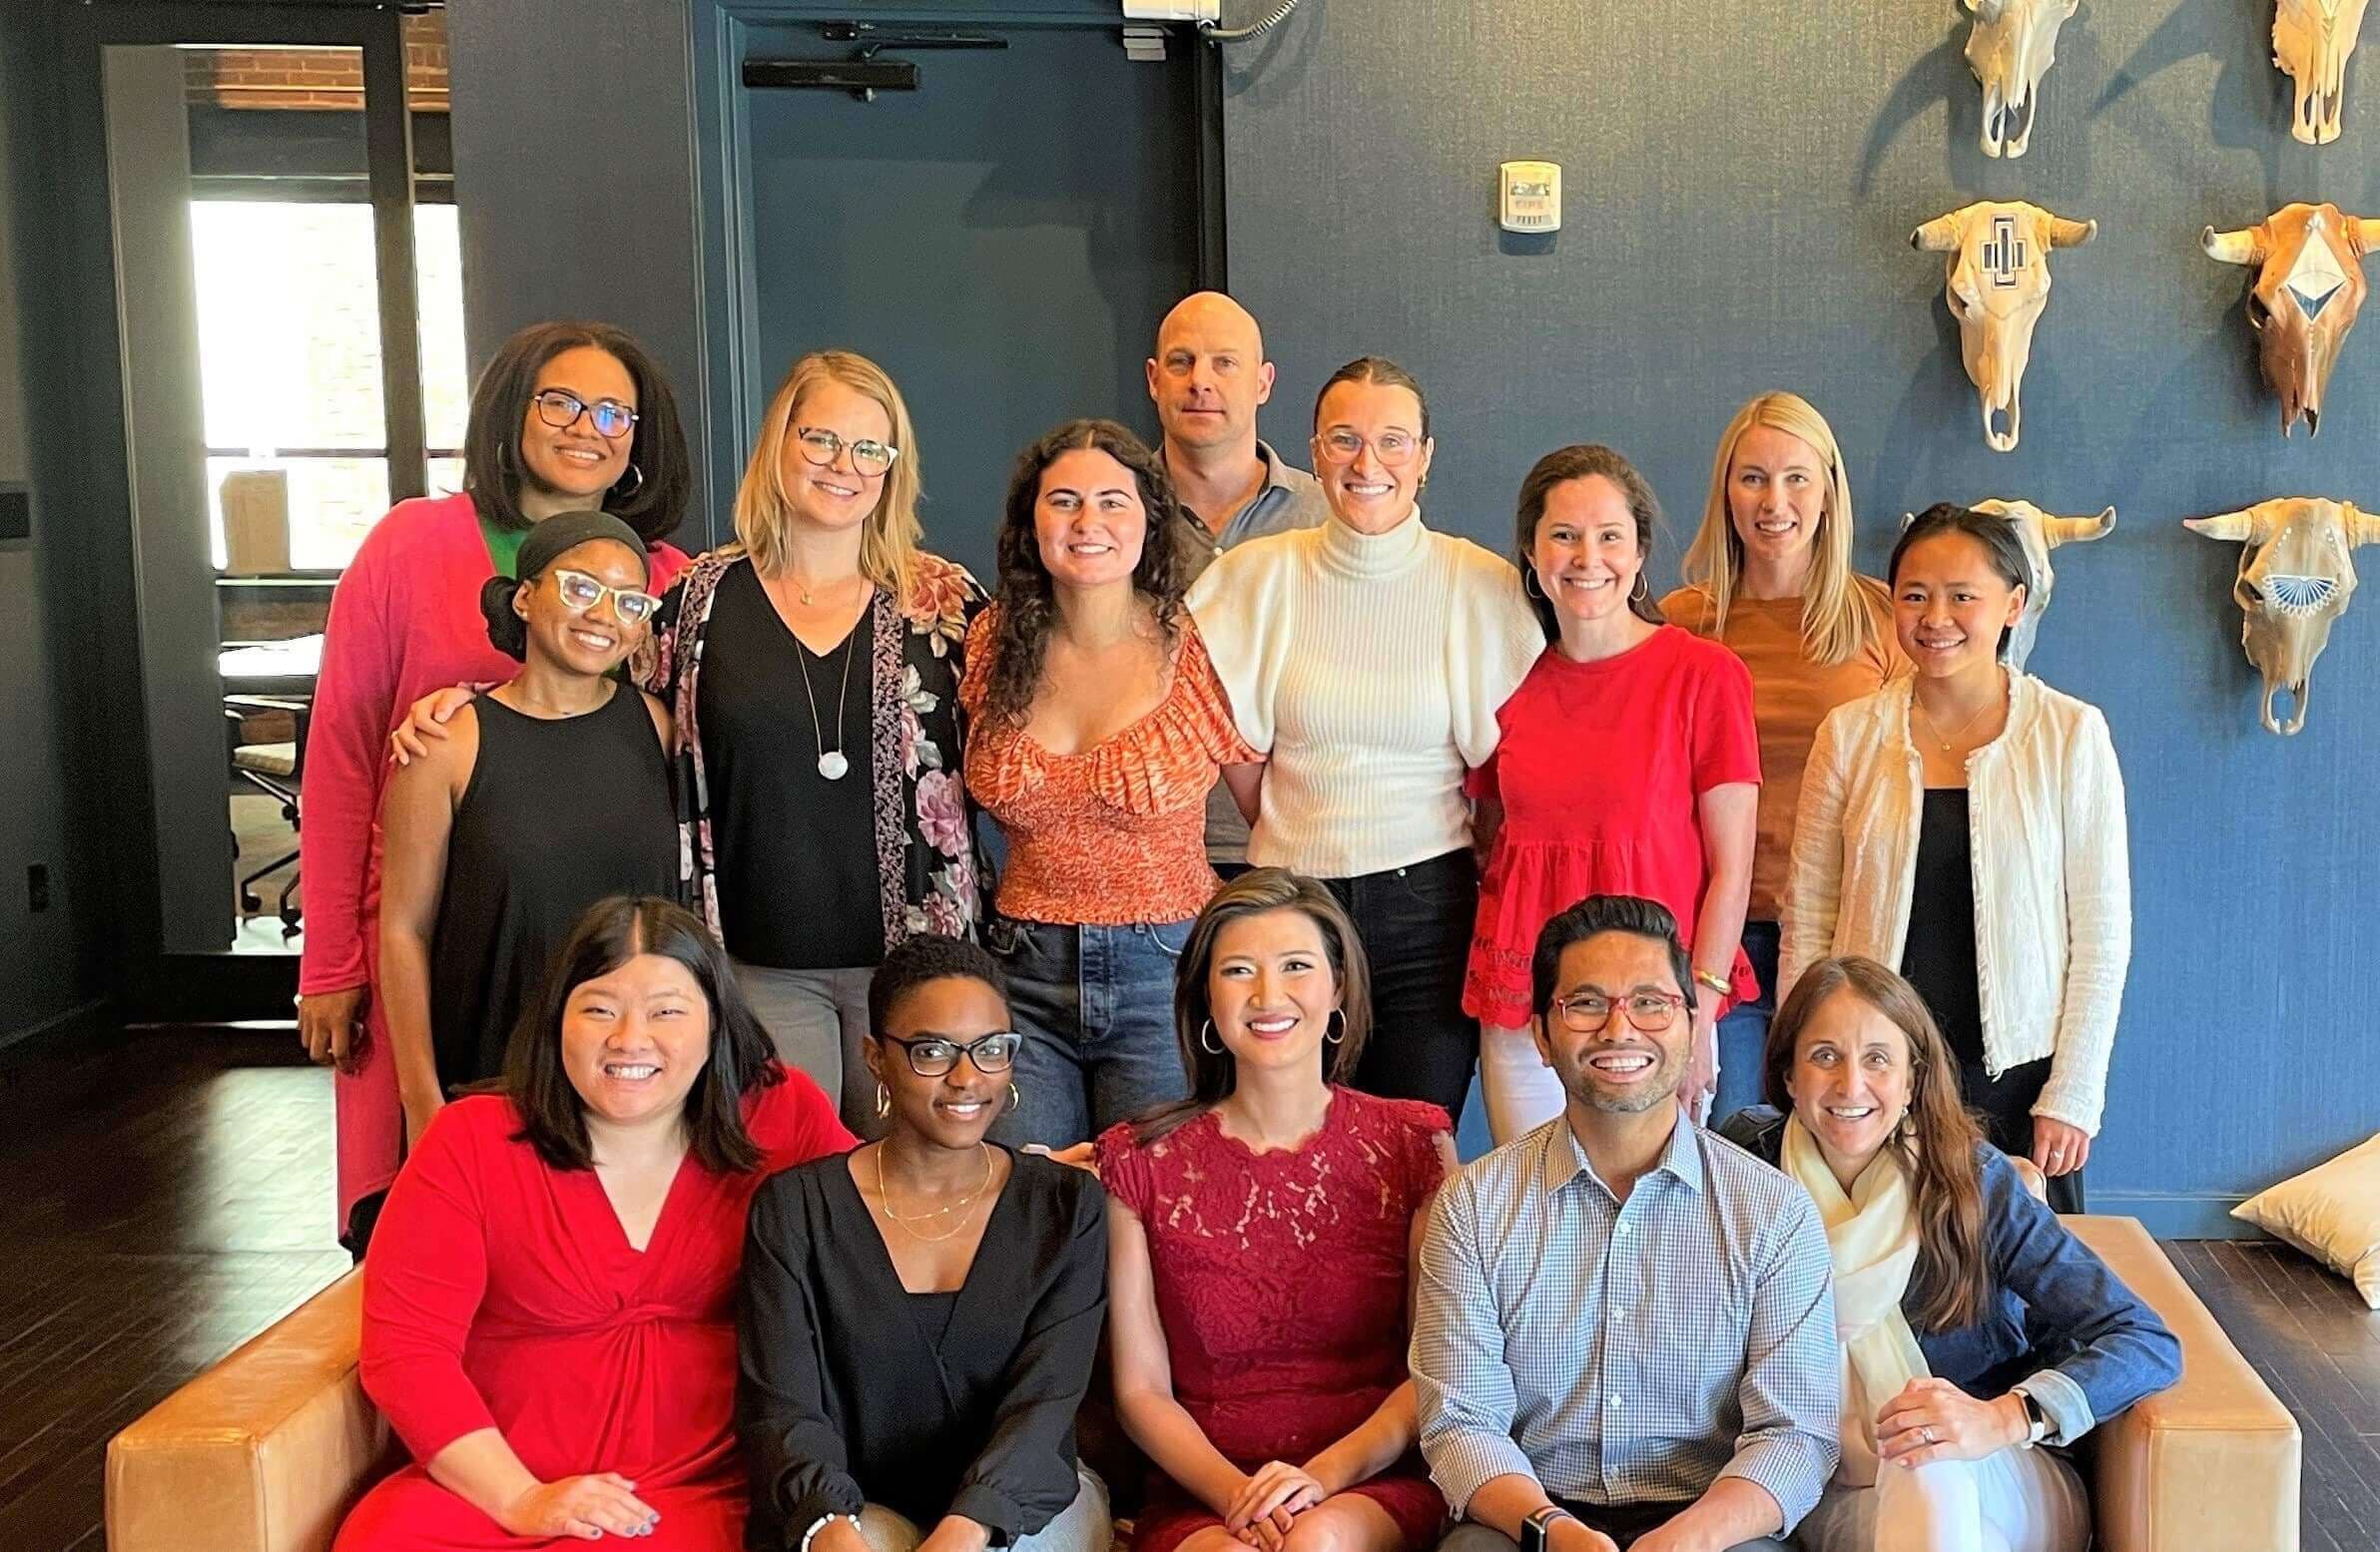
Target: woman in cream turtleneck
column 1365, row 659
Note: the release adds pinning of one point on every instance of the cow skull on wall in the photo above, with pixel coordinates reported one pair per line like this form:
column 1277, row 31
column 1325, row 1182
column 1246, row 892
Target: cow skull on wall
column 2309, row 283
column 1997, row 280
column 2312, row 41
column 2296, row 578
column 2039, row 533
column 2009, row 48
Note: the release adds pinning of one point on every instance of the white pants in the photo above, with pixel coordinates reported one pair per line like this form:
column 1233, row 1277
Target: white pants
column 1082, row 1526
column 2014, row 1500
column 1520, row 1090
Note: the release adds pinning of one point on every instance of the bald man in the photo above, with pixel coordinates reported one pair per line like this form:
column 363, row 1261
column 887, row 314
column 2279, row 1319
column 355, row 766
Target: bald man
column 1208, row 378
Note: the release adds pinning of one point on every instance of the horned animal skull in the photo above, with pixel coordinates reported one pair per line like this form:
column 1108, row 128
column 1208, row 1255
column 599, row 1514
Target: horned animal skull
column 1997, row 280
column 2009, row 48
column 2296, row 578
column 2039, row 533
column 2309, row 283
column 2312, row 41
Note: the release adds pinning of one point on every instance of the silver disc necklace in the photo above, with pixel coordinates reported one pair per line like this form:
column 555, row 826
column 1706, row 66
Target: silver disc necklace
column 832, row 762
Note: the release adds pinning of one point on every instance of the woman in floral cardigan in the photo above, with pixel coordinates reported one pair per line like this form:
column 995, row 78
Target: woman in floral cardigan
column 813, row 667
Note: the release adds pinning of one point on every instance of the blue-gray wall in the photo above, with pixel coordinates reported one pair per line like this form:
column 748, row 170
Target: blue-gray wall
column 1740, row 183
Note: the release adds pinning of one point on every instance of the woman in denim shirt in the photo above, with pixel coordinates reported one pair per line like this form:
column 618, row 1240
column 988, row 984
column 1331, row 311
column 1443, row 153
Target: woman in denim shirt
column 1974, row 1326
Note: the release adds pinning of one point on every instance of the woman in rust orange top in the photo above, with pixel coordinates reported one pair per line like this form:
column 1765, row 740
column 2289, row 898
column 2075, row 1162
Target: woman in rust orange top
column 1096, row 728
column 1769, row 575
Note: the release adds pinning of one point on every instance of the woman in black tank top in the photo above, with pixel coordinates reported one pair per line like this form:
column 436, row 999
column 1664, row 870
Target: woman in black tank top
column 552, row 793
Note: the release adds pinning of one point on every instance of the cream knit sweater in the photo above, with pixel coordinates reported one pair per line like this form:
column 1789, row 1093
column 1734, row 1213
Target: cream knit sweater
column 1368, row 668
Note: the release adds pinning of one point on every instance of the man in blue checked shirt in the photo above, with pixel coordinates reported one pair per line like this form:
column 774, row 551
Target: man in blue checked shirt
column 1625, row 1326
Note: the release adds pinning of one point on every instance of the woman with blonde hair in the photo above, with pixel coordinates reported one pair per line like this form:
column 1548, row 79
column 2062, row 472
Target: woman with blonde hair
column 824, row 815
column 1769, row 576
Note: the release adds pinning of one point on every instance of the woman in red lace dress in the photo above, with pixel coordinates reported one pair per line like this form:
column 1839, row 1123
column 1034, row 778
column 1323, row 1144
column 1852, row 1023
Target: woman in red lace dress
column 1260, row 1239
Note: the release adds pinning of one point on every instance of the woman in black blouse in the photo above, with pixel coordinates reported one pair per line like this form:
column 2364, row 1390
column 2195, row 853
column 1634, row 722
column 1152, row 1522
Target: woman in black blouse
column 920, row 1317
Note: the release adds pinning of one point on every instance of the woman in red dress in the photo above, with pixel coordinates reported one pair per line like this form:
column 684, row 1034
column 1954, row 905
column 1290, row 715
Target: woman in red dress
column 1260, row 1246
column 1626, row 763
column 567, row 416
column 549, row 1301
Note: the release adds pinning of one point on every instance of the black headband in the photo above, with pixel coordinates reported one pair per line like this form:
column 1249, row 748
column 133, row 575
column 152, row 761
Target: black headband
column 555, row 536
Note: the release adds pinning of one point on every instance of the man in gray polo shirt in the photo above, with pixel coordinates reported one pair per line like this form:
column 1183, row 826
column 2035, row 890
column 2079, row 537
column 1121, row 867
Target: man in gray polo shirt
column 1208, row 378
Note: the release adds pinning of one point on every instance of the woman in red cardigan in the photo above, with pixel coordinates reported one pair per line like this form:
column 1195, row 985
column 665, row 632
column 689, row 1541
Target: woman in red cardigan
column 569, row 415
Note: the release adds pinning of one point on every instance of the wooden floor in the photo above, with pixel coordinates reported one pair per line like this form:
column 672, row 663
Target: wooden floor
column 163, row 1198
column 164, row 1195
column 2315, row 1344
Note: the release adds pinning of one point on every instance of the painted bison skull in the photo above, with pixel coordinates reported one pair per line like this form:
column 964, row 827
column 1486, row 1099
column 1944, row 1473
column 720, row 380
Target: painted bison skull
column 2296, row 578
column 1997, row 280
column 2009, row 48
column 2308, row 287
column 2312, row 41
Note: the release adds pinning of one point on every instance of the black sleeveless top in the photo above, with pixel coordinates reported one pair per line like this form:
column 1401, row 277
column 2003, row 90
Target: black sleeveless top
column 1938, row 955
column 557, row 815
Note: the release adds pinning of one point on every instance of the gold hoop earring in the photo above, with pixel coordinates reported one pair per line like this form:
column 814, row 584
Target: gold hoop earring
column 1644, row 589
column 883, row 1102
column 1328, row 1038
column 1205, row 1029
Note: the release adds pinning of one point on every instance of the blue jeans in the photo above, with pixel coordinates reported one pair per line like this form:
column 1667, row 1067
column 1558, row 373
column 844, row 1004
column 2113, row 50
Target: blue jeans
column 1095, row 1007
column 1743, row 1033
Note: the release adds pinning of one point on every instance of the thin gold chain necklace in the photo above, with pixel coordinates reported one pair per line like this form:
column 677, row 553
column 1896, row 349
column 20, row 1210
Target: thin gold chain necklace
column 1947, row 743
column 962, row 1206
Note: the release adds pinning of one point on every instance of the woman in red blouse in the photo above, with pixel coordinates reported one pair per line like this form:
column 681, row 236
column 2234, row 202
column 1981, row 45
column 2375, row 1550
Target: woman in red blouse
column 1095, row 729
column 549, row 1301
column 567, row 416
column 1627, row 764
column 1260, row 1240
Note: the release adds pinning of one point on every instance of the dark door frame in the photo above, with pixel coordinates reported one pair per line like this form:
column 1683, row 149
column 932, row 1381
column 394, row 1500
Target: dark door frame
column 114, row 754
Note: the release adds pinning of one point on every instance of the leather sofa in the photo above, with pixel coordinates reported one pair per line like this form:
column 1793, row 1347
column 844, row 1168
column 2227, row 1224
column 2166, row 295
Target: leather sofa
column 266, row 1451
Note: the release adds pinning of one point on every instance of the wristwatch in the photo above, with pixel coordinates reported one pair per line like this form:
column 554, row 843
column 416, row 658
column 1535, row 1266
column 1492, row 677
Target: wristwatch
column 1537, row 1523
column 2036, row 1421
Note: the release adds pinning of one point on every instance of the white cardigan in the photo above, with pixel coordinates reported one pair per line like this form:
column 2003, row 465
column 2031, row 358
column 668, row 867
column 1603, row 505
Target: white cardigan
column 2053, row 881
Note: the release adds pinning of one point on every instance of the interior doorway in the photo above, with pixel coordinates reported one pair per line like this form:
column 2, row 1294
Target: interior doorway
column 1001, row 235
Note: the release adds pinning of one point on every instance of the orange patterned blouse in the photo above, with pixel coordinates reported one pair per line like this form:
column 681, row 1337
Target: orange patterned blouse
column 1117, row 832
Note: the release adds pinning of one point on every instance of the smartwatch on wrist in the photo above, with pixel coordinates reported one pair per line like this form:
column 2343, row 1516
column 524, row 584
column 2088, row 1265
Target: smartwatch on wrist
column 1537, row 1523
column 821, row 1522
column 2036, row 1421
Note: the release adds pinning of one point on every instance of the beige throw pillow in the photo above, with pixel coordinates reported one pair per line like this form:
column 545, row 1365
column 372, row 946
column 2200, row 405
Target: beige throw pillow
column 2332, row 1213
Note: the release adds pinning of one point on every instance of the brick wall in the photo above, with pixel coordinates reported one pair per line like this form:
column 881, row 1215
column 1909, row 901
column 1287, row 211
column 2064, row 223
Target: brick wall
column 318, row 78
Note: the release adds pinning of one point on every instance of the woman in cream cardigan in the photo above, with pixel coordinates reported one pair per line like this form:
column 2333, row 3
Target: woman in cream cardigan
column 1974, row 1326
column 1967, row 826
column 1365, row 661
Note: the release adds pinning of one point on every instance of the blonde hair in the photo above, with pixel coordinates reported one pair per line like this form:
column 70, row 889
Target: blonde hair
column 889, row 540
column 1837, row 623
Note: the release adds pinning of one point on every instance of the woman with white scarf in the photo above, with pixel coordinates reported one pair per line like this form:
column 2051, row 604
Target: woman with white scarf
column 1975, row 1329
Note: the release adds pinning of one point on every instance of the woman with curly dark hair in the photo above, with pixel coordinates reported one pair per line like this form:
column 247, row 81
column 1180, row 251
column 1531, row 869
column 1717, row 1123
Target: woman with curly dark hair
column 1096, row 728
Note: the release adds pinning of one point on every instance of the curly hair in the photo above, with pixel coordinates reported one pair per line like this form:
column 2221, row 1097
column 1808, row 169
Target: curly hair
column 1028, row 596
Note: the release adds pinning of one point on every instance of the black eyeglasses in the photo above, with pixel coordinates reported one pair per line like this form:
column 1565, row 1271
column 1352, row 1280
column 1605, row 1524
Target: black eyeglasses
column 933, row 1056
column 560, row 408
column 1590, row 1012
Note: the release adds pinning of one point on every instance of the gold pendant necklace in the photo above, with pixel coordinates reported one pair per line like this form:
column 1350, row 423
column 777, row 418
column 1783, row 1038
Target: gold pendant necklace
column 1947, row 744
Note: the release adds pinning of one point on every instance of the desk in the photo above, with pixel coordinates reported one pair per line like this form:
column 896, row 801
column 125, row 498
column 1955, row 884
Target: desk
column 283, row 668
